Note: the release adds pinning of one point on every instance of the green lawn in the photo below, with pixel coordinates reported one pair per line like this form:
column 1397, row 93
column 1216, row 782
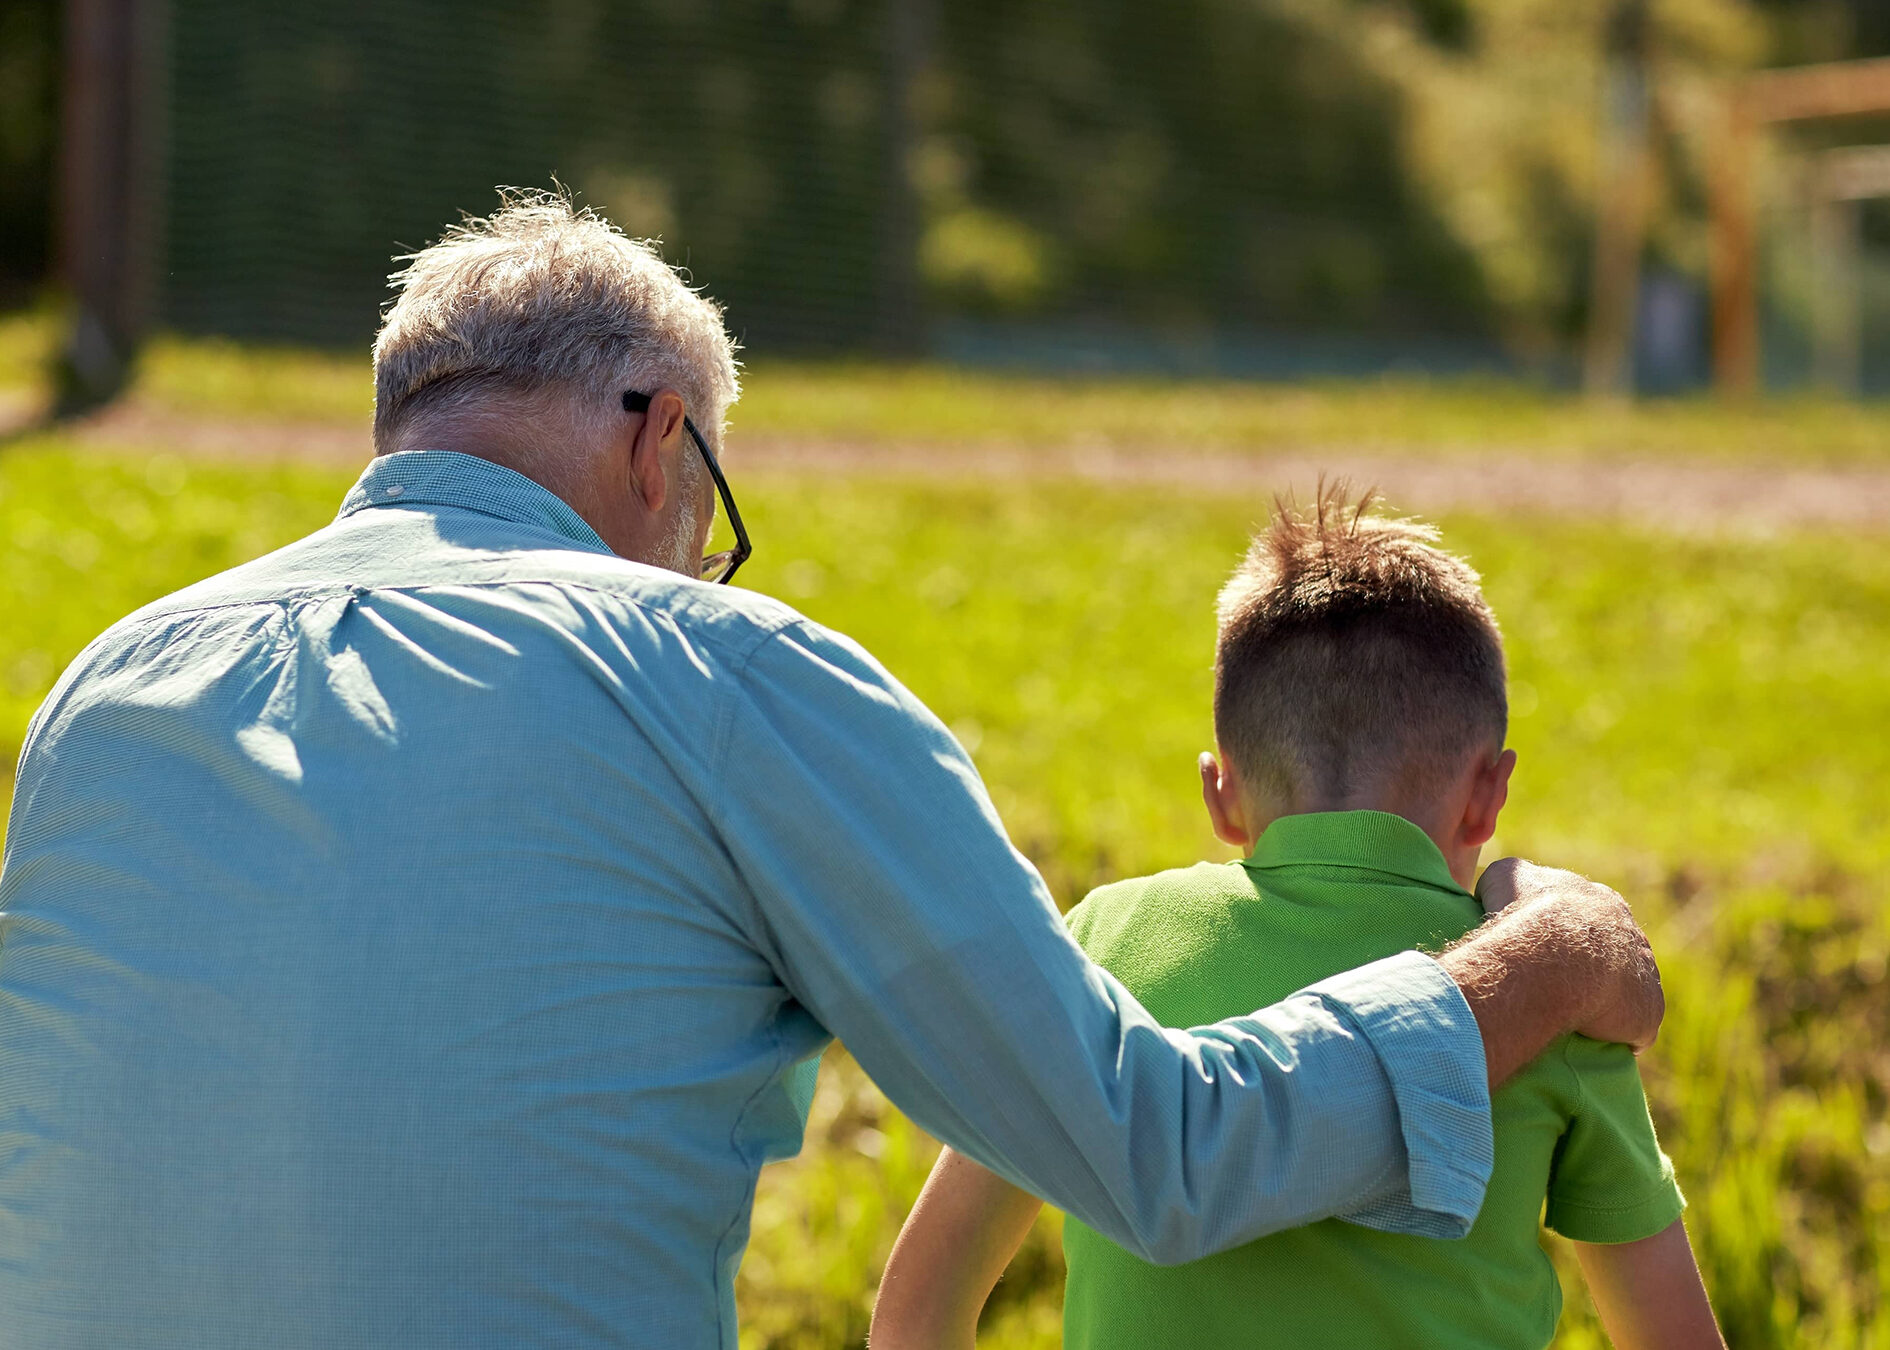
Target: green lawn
column 1700, row 721
column 930, row 405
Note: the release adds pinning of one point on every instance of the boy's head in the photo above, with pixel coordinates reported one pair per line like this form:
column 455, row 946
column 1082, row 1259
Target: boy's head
column 1358, row 668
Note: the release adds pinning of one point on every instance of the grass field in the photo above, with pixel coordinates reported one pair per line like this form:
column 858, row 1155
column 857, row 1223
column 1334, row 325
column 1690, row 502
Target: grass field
column 1700, row 722
column 925, row 405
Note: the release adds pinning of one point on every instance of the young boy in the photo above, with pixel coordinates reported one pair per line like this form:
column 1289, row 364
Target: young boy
column 1360, row 710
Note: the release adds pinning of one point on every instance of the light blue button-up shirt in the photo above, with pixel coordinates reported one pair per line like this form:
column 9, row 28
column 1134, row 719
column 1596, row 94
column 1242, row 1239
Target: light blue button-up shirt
column 422, row 935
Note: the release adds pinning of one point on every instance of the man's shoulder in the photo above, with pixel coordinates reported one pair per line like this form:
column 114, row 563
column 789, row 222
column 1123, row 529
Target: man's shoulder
column 582, row 584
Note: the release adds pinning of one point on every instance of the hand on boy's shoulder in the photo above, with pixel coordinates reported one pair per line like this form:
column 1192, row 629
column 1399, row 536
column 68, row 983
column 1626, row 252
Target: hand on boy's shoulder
column 1509, row 880
column 1503, row 882
column 1547, row 908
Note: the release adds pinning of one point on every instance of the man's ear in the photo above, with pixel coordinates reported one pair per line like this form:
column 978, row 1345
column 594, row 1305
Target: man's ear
column 1489, row 791
column 1220, row 792
column 653, row 440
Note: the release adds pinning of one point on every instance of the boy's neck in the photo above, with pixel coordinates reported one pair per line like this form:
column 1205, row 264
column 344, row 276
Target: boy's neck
column 1456, row 810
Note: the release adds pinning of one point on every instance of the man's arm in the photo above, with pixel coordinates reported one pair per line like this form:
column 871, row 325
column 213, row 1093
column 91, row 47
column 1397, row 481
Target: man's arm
column 882, row 888
column 966, row 1226
column 1560, row 953
column 1649, row 1293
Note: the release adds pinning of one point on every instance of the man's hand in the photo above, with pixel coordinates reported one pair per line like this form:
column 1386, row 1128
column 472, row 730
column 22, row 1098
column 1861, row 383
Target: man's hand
column 1560, row 953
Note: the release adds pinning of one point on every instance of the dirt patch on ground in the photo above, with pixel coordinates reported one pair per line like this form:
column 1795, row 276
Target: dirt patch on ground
column 1673, row 493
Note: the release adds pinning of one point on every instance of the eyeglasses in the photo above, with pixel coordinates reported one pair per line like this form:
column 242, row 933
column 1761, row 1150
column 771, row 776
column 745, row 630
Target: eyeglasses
column 716, row 567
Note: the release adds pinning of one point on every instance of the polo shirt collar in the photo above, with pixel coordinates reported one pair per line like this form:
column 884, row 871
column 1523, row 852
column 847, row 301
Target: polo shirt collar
column 450, row 478
column 1376, row 840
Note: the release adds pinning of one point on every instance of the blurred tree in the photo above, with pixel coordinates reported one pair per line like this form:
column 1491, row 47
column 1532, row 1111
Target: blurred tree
column 1826, row 30
column 29, row 112
column 1501, row 141
column 1210, row 160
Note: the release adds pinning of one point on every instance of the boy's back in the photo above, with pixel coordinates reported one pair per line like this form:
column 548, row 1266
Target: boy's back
column 1319, row 894
column 1360, row 712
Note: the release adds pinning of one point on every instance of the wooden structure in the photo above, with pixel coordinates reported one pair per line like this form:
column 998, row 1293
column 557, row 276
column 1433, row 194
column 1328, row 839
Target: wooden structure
column 108, row 190
column 1839, row 181
column 1770, row 98
column 1627, row 171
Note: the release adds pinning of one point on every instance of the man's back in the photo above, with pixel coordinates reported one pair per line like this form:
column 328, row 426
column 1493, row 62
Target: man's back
column 423, row 935
column 315, row 1029
column 1321, row 892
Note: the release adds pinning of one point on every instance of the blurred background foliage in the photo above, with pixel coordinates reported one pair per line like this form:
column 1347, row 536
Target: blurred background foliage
column 929, row 174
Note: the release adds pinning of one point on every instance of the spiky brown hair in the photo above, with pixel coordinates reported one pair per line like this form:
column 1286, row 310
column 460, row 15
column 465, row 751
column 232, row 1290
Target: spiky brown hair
column 1353, row 653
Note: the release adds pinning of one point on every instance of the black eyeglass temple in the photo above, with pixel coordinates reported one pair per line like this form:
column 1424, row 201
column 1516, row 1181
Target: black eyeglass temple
column 634, row 402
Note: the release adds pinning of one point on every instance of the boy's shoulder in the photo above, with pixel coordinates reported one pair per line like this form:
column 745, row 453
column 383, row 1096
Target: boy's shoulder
column 1190, row 943
column 1111, row 909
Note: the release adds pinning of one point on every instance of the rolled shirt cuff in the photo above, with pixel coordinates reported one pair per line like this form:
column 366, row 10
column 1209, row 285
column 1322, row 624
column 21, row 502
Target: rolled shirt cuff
column 1416, row 1020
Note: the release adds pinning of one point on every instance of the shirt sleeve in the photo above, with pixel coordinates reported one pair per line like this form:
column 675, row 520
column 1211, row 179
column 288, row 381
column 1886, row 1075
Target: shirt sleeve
column 1610, row 1182
column 895, row 910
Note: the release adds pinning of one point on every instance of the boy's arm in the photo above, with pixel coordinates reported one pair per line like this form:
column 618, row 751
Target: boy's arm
column 1649, row 1293
column 967, row 1225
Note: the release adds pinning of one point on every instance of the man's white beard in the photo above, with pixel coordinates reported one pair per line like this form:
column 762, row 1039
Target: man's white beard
column 678, row 550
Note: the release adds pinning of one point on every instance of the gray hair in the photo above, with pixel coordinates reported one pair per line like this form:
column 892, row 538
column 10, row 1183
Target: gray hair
column 542, row 294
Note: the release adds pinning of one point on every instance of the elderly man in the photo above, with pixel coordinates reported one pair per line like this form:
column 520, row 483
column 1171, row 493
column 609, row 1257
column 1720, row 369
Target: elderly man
column 422, row 935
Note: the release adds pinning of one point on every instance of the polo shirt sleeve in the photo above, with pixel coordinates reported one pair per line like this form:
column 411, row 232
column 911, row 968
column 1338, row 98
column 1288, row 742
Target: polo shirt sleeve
column 1610, row 1182
column 893, row 908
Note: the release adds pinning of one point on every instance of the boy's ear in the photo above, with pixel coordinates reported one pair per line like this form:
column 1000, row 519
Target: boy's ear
column 1489, row 791
column 1220, row 792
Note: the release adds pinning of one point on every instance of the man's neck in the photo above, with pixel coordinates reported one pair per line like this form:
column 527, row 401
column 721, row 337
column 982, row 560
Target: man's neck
column 564, row 470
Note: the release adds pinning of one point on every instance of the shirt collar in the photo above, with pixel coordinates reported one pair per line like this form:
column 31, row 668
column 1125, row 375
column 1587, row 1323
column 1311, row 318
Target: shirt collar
column 449, row 478
column 1376, row 840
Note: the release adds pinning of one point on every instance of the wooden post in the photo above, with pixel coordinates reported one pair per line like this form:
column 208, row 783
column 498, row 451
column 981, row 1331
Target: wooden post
column 1621, row 206
column 107, row 193
column 1733, row 247
column 1839, row 180
column 1837, row 320
column 1797, row 94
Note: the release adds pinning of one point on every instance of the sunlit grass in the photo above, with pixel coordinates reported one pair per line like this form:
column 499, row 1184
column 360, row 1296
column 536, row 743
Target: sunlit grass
column 26, row 341
column 929, row 405
column 1700, row 721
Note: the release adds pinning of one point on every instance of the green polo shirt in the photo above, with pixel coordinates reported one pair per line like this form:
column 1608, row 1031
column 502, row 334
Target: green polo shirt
column 1323, row 893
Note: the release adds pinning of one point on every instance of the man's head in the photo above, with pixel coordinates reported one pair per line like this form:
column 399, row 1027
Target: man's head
column 1358, row 667
column 514, row 338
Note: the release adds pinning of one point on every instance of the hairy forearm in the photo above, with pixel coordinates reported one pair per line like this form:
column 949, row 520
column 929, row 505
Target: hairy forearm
column 1563, row 954
column 1519, row 989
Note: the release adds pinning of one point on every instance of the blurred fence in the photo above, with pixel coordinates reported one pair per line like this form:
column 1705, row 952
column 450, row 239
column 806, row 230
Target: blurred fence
column 308, row 143
column 1246, row 187
column 844, row 174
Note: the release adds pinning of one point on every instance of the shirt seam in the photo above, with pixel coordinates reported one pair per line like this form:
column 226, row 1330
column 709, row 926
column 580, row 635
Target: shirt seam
column 762, row 934
column 594, row 544
column 1581, row 1089
column 760, row 630
column 738, row 670
column 746, row 1204
column 1429, row 883
column 1659, row 1192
